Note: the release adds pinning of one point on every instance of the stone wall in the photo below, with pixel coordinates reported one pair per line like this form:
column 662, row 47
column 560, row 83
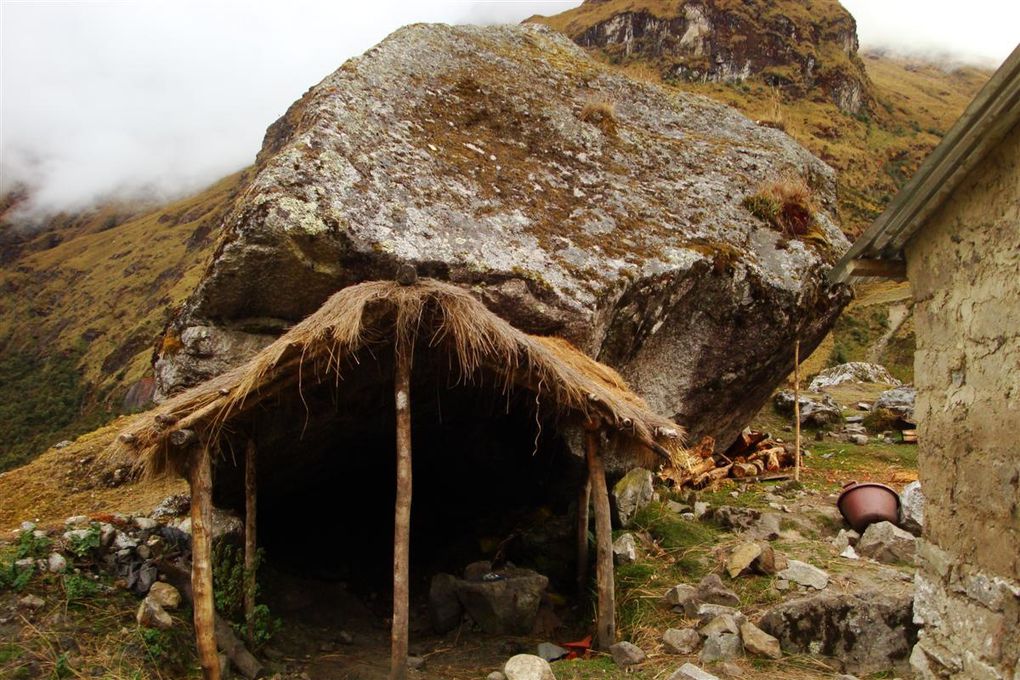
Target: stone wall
column 964, row 266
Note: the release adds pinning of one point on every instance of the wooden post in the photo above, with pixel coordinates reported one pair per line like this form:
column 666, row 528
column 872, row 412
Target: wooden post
column 583, row 501
column 250, row 543
column 402, row 519
column 796, row 410
column 606, row 622
column 200, row 480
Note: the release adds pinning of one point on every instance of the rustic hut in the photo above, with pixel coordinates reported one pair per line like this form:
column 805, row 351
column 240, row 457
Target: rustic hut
column 341, row 390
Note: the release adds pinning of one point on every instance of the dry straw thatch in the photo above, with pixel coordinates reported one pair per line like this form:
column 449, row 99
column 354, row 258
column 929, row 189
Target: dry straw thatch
column 428, row 311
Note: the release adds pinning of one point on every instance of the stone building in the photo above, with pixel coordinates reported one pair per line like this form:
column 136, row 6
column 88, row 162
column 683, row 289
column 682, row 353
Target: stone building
column 954, row 233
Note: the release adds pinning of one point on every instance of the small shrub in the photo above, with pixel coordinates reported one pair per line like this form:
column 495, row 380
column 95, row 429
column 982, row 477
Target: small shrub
column 78, row 587
column 601, row 113
column 86, row 543
column 228, row 594
column 787, row 205
column 774, row 116
column 30, row 545
column 13, row 577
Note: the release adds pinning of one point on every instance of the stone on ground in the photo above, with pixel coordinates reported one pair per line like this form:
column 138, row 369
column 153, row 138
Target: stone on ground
column 691, row 672
column 804, row 574
column 495, row 675
column 712, row 591
column 56, row 563
column 886, row 542
column 845, row 538
column 683, row 595
column 815, row 409
column 721, row 648
column 899, row 401
column 527, row 667
column 912, row 508
column 445, row 609
column 625, row 549
column 165, row 595
column 769, row 562
column 706, row 612
column 551, row 652
column 852, row 372
column 741, row 557
column 724, row 623
column 758, row 642
column 151, row 615
column 508, row 605
column 31, row 602
column 869, row 632
column 730, row 669
column 681, row 640
column 633, row 492
column 627, row 654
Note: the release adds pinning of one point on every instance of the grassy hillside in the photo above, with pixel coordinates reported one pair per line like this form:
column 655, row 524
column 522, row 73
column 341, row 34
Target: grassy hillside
column 83, row 303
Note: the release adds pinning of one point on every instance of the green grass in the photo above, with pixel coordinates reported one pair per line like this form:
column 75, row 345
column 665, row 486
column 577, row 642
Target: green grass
column 848, row 457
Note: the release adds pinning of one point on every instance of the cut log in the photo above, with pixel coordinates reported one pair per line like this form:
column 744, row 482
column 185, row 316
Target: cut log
column 712, row 475
column 583, row 503
column 182, row 438
column 250, row 545
column 200, row 479
column 704, row 448
column 605, row 624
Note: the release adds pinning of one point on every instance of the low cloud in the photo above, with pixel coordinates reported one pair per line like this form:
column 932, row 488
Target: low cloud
column 150, row 100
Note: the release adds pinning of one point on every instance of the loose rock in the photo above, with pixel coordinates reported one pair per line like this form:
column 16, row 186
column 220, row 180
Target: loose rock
column 805, row 574
column 152, row 615
column 527, row 667
column 912, row 508
column 508, row 605
column 757, row 641
column 165, row 595
column 691, row 672
column 627, row 654
column 720, row 648
column 31, row 602
column 868, row 631
column 633, row 492
column 681, row 640
column 445, row 609
column 769, row 562
column 885, row 542
column 712, row 591
column 741, row 558
column 551, row 652
column 724, row 623
column 625, row 549
column 56, row 563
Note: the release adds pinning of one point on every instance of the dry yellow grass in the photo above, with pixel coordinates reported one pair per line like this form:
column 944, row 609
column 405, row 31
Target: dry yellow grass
column 42, row 490
column 601, row 113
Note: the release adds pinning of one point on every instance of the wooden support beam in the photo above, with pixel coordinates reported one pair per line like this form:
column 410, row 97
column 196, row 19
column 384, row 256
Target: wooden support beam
column 200, row 480
column 583, row 503
column 796, row 410
column 887, row 269
column 402, row 514
column 250, row 539
column 605, row 624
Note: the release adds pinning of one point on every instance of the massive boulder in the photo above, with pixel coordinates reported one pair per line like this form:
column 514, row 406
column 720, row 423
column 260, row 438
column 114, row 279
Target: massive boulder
column 477, row 155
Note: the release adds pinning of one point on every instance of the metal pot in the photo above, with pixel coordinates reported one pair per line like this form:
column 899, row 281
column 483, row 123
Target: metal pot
column 865, row 503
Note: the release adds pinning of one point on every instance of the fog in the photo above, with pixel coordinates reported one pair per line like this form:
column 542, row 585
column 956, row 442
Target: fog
column 150, row 100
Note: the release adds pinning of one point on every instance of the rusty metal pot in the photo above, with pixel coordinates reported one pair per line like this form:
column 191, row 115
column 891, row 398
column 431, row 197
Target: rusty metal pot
column 865, row 503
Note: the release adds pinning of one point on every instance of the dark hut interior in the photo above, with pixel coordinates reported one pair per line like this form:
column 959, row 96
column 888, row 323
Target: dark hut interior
column 493, row 475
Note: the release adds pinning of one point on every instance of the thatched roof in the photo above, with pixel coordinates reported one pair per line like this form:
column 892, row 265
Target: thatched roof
column 440, row 315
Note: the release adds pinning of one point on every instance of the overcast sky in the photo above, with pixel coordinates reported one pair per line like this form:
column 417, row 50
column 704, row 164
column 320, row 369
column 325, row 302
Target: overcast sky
column 156, row 98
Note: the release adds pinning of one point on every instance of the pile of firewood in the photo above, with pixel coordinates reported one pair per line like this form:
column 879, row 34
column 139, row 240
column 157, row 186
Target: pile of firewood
column 753, row 455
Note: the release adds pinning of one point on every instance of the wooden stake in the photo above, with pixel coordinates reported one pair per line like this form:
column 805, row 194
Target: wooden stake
column 606, row 622
column 402, row 519
column 200, row 480
column 796, row 410
column 250, row 545
column 583, row 501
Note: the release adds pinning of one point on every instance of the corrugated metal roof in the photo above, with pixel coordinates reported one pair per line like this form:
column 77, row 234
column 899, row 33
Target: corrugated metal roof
column 989, row 117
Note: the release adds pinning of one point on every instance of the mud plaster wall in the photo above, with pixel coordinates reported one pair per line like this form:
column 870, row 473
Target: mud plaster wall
column 964, row 266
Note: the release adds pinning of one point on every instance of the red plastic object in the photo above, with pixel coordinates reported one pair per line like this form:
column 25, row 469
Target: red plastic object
column 866, row 503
